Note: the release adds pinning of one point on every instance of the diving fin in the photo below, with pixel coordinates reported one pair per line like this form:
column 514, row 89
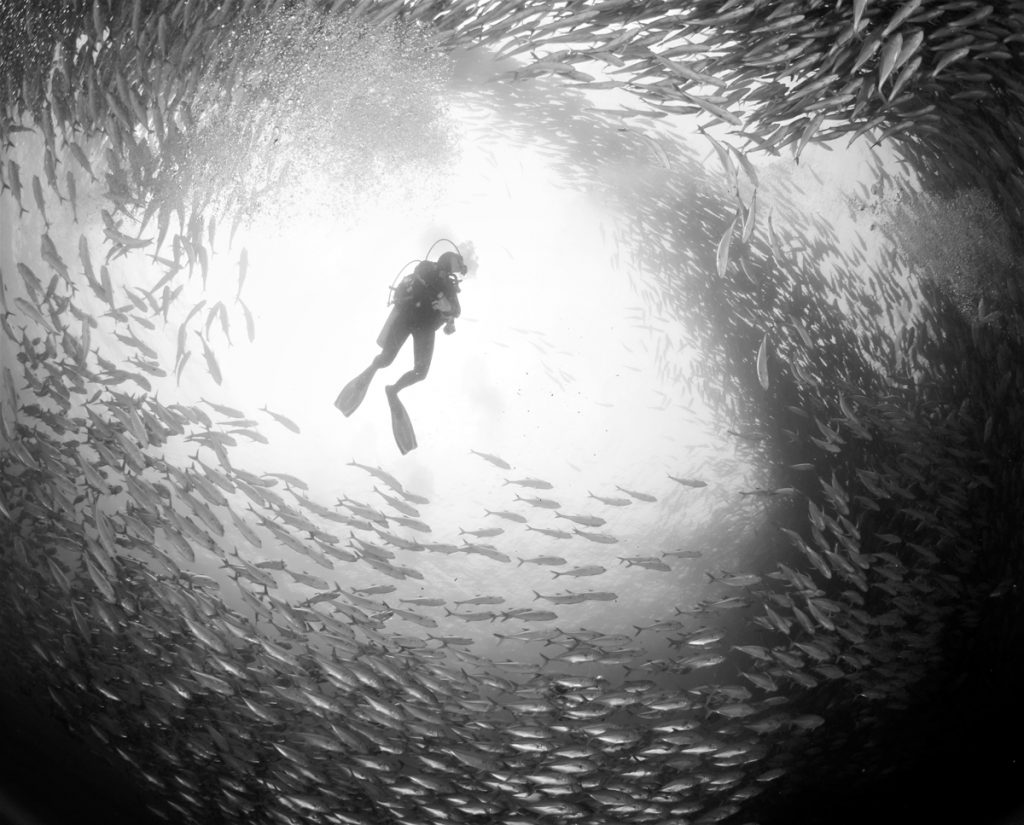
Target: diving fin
column 352, row 395
column 401, row 426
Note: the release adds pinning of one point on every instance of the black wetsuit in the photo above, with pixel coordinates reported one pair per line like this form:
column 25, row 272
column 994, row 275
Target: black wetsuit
column 414, row 314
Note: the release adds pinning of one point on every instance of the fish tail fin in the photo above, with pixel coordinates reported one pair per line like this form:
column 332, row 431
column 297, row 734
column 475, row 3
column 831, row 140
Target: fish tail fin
column 448, row 612
column 536, row 595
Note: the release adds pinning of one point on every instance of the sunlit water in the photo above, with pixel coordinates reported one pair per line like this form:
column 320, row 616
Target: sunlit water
column 605, row 346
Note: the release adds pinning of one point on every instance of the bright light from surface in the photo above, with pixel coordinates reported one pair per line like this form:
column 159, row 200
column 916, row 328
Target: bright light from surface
column 542, row 343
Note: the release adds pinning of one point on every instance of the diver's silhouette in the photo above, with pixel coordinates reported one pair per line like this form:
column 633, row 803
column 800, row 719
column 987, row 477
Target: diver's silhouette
column 424, row 301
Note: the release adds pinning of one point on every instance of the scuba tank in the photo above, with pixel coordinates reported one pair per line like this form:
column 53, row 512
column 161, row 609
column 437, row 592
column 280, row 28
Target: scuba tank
column 393, row 290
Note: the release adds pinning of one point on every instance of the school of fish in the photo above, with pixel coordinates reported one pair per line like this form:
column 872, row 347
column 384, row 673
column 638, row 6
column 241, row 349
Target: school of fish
column 893, row 458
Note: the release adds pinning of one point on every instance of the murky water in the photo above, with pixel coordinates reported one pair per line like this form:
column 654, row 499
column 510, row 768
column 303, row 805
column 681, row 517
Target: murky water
column 713, row 514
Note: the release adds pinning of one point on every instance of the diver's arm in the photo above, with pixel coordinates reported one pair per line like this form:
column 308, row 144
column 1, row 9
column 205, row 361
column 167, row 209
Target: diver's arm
column 452, row 293
column 453, row 298
column 447, row 304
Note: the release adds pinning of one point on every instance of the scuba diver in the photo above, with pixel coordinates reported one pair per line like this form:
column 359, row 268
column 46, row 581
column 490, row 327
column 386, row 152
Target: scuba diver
column 424, row 301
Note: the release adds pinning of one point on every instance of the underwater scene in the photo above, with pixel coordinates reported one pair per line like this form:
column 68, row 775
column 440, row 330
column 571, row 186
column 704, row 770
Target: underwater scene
column 436, row 412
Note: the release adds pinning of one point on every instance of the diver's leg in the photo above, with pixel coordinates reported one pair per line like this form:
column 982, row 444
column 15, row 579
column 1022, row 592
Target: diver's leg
column 423, row 347
column 352, row 395
column 391, row 344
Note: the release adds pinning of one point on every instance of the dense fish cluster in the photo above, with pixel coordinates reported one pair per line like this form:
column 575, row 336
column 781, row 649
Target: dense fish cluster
column 270, row 688
column 786, row 74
